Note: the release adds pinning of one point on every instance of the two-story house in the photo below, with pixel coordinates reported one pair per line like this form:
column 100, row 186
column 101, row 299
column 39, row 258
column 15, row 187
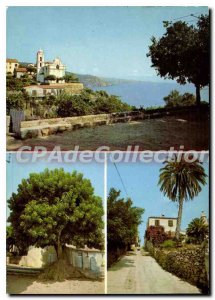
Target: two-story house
column 168, row 223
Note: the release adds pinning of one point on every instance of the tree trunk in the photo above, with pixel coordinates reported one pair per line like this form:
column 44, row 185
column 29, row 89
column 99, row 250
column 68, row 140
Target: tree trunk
column 59, row 246
column 198, row 95
column 178, row 227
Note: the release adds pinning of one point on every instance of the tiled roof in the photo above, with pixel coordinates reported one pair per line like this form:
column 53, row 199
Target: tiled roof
column 11, row 60
column 53, row 86
column 21, row 70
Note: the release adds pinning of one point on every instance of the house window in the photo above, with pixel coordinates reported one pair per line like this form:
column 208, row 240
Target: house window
column 40, row 58
column 44, row 92
column 170, row 223
column 157, row 222
column 40, row 65
column 34, row 93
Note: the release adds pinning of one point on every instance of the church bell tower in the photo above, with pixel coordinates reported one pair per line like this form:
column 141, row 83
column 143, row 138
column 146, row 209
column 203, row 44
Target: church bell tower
column 40, row 64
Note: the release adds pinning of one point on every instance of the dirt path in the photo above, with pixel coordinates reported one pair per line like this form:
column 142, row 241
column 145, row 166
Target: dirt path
column 138, row 274
column 153, row 134
column 30, row 285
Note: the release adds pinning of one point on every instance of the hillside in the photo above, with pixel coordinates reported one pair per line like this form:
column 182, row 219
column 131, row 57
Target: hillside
column 92, row 81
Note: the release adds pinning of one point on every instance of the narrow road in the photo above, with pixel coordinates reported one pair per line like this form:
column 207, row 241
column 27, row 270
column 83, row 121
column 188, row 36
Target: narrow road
column 141, row 274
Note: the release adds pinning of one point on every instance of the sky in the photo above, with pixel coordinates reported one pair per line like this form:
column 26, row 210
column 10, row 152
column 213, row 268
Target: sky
column 141, row 184
column 102, row 41
column 16, row 171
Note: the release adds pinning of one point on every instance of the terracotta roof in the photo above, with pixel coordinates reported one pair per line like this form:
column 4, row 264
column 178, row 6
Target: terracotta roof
column 53, row 86
column 21, row 70
column 12, row 60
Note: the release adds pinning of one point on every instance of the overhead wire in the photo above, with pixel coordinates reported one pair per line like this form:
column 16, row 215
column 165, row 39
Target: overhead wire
column 121, row 179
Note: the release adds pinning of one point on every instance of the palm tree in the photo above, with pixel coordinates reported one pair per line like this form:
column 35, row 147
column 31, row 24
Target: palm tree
column 197, row 230
column 181, row 180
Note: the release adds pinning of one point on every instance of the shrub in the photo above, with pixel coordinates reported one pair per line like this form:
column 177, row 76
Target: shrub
column 14, row 101
column 70, row 78
column 175, row 99
column 156, row 235
column 168, row 244
column 89, row 102
column 197, row 231
column 50, row 77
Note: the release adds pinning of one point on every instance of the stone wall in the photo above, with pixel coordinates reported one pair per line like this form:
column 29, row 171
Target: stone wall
column 90, row 262
column 188, row 262
column 44, row 127
column 73, row 88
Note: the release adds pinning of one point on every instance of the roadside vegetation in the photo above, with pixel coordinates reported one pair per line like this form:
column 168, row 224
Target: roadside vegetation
column 123, row 220
column 183, row 254
column 88, row 102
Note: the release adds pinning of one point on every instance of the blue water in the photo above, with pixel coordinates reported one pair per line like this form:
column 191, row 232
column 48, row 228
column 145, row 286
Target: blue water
column 149, row 93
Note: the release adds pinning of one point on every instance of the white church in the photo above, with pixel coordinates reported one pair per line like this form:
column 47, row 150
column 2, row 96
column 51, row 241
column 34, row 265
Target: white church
column 45, row 69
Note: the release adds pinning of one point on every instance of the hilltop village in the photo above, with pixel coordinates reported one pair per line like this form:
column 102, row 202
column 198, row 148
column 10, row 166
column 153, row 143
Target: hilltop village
column 50, row 77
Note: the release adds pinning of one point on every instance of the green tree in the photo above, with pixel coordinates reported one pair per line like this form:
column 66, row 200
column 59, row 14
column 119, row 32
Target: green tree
column 31, row 69
column 197, row 231
column 175, row 99
column 123, row 220
column 70, row 78
column 14, row 100
column 53, row 208
column 105, row 103
column 10, row 242
column 183, row 53
column 74, row 105
column 50, row 77
column 89, row 102
column 17, row 84
column 181, row 181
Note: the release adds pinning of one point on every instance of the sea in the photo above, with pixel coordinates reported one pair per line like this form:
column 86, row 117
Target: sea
column 147, row 94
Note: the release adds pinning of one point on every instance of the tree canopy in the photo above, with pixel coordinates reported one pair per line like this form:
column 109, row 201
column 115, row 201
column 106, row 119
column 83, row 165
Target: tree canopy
column 89, row 102
column 175, row 99
column 55, row 207
column 183, row 53
column 70, row 78
column 181, row 181
column 197, row 231
column 123, row 220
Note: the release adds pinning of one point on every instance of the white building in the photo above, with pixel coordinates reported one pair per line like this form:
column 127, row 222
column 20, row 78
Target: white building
column 42, row 91
column 169, row 224
column 44, row 69
column 19, row 72
column 11, row 65
column 204, row 218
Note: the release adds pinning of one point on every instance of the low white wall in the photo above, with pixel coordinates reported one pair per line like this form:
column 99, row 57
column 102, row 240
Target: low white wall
column 7, row 124
column 38, row 257
column 91, row 260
